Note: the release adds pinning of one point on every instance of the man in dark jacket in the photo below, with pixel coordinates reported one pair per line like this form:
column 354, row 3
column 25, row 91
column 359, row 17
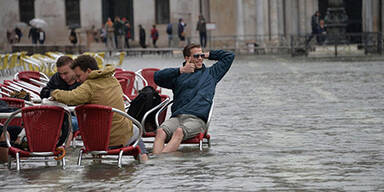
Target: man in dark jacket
column 63, row 79
column 142, row 36
column 315, row 20
column 193, row 87
column 202, row 28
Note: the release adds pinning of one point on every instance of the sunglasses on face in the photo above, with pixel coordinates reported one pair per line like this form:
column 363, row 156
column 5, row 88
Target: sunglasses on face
column 198, row 55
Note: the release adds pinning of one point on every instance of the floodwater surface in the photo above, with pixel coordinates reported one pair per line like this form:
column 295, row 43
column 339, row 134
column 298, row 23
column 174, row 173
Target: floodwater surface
column 278, row 124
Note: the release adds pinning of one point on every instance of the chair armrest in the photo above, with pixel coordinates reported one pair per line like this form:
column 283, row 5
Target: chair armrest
column 134, row 121
column 161, row 110
column 138, row 73
column 162, row 104
column 5, row 127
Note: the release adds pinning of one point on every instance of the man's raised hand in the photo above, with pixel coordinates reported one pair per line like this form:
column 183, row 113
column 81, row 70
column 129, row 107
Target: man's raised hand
column 188, row 67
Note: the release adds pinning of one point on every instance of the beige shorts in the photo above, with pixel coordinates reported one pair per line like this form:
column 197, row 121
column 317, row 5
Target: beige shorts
column 190, row 124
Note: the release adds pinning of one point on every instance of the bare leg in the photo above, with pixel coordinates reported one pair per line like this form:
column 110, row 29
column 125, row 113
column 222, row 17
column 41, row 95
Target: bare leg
column 69, row 139
column 3, row 150
column 175, row 141
column 158, row 144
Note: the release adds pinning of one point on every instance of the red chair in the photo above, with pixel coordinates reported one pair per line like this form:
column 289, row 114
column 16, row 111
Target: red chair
column 118, row 69
column 16, row 86
column 76, row 135
column 13, row 102
column 42, row 128
column 200, row 139
column 95, row 123
column 128, row 85
column 147, row 74
column 33, row 77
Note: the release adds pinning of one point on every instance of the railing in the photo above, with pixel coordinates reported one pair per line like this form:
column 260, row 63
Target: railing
column 367, row 43
column 294, row 45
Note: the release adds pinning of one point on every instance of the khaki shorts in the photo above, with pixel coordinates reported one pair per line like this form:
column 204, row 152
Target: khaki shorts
column 190, row 124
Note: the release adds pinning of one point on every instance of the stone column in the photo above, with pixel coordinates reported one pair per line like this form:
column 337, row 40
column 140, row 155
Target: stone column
column 302, row 4
column 260, row 21
column 274, row 28
column 375, row 16
column 292, row 17
column 367, row 17
column 382, row 17
column 239, row 23
column 280, row 17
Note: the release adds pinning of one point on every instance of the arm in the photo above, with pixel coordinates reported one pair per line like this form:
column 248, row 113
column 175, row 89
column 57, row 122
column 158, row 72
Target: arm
column 51, row 85
column 224, row 62
column 167, row 77
column 80, row 95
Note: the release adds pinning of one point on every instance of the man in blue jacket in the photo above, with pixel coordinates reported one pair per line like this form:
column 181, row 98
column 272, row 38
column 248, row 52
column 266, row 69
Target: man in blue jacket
column 193, row 87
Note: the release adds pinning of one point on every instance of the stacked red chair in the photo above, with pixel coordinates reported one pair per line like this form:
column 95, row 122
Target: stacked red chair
column 148, row 75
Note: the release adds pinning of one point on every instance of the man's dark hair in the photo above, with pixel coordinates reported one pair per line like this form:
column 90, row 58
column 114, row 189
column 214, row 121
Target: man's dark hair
column 63, row 60
column 85, row 62
column 187, row 49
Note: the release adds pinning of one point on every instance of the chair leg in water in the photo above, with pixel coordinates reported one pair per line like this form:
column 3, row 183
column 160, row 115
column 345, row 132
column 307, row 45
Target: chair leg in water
column 63, row 162
column 120, row 157
column 9, row 162
column 17, row 161
column 80, row 157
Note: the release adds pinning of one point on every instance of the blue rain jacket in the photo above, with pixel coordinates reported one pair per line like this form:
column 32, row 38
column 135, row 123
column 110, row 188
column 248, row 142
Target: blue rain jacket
column 189, row 94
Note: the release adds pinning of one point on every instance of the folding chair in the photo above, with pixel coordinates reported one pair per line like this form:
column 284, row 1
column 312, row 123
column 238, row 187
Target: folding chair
column 147, row 75
column 14, row 86
column 200, row 139
column 95, row 123
column 121, row 57
column 33, row 64
column 4, row 67
column 13, row 62
column 33, row 77
column 42, row 126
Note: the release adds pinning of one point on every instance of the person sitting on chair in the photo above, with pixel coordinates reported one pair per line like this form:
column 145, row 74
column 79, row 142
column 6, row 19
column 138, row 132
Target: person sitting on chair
column 193, row 87
column 97, row 85
column 64, row 79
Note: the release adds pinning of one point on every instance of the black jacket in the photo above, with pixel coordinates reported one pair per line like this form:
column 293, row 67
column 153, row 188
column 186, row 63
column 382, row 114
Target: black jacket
column 56, row 82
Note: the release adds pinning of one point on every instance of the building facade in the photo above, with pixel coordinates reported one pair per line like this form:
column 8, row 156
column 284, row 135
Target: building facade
column 267, row 22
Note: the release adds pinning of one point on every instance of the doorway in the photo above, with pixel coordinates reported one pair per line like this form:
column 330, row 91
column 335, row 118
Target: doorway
column 121, row 8
column 354, row 12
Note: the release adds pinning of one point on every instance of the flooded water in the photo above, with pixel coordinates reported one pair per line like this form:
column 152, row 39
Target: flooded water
column 278, row 124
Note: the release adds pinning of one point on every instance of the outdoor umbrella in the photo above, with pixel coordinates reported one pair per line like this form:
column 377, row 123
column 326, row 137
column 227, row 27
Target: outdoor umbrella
column 21, row 25
column 74, row 26
column 38, row 23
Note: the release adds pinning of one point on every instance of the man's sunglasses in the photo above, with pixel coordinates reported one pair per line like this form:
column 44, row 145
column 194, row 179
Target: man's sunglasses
column 198, row 55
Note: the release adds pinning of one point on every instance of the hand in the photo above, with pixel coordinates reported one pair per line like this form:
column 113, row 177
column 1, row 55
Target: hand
column 206, row 55
column 188, row 67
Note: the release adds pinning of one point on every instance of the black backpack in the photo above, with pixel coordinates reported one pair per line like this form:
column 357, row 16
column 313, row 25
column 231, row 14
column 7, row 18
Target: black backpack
column 5, row 108
column 146, row 100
